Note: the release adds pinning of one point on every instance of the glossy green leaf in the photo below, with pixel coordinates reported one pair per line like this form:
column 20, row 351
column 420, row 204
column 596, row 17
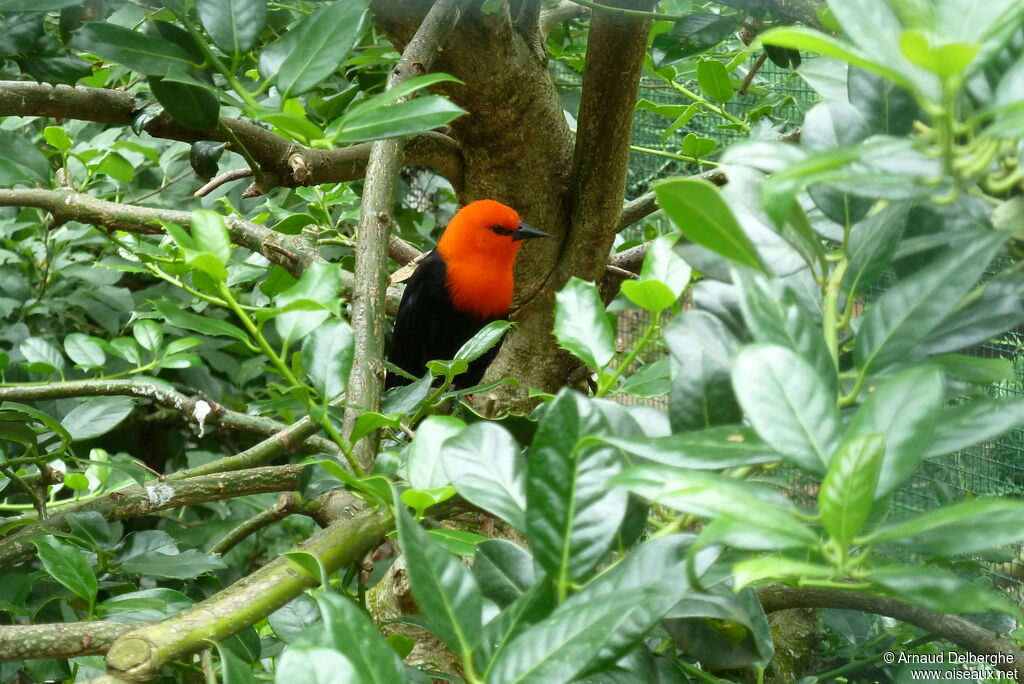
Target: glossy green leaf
column 702, row 350
column 96, row 416
column 234, row 25
column 313, row 665
column 148, row 334
column 714, row 80
column 205, row 325
column 56, row 137
column 581, row 324
column 314, row 48
column 41, row 355
column 146, row 54
column 443, row 587
column 352, row 633
column 327, row 357
column 233, row 670
column 320, row 283
column 190, row 105
column 905, row 409
column 503, row 570
column 483, row 463
column 962, row 528
column 848, row 489
column 530, row 608
column 67, row 564
column 776, row 568
column 775, row 314
column 973, row 422
column 484, row 340
column 600, row 623
column 938, row 590
column 571, row 515
column 35, row 5
column 906, row 314
column 211, row 235
column 693, row 34
column 426, row 468
column 698, row 209
column 714, row 448
column 419, row 115
column 84, row 351
column 185, row 565
column 651, row 295
column 872, row 245
column 788, row 404
column 20, row 160
column 1000, row 308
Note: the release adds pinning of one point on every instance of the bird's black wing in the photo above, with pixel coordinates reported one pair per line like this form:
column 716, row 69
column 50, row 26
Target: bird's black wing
column 428, row 326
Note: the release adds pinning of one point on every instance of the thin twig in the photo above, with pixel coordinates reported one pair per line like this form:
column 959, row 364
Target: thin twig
column 226, row 177
column 284, row 507
column 753, row 72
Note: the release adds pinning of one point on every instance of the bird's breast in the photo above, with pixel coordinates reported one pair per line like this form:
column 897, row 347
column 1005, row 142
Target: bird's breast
column 483, row 290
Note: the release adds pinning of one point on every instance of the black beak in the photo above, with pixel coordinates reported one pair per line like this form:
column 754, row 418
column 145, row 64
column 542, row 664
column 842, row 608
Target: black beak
column 525, row 232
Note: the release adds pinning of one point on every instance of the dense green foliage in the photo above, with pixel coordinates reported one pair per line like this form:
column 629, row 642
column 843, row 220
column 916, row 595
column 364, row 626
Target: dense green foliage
column 648, row 532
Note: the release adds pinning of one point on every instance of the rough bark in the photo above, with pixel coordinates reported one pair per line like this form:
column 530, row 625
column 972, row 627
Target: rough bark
column 366, row 381
column 286, row 162
column 60, row 640
column 138, row 655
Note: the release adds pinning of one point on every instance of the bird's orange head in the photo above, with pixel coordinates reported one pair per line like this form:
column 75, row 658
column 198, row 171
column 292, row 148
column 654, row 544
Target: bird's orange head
column 479, row 248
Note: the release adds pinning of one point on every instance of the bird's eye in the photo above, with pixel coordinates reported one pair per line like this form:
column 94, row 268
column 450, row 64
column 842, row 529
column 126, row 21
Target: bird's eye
column 501, row 230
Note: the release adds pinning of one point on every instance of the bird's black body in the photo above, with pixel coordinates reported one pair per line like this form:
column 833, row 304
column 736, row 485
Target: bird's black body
column 429, row 327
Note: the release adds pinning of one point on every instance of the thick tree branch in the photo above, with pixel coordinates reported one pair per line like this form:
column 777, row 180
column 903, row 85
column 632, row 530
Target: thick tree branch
column 164, row 396
column 60, row 640
column 139, row 654
column 371, row 275
column 954, row 628
column 282, row 161
column 290, row 252
column 139, row 500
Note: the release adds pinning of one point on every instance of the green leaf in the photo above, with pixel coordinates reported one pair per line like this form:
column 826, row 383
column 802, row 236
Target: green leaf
column 788, row 404
column 486, row 338
column 776, row 568
column 503, row 570
column 602, row 622
column 974, row 422
column 327, row 357
column 313, row 665
column 419, row 115
column 184, row 565
column 975, row 369
column 484, row 466
column 965, row 527
column 234, row 25
column 726, row 446
column 1000, row 308
column 948, row 60
column 84, row 351
column 56, row 137
column 189, row 104
column 581, row 324
column 67, row 564
column 714, row 80
column 233, row 670
column 146, row 54
column 906, row 314
column 775, row 314
column 35, row 5
column 352, row 633
column 320, row 283
column 571, row 514
column 443, row 587
column 200, row 324
column 41, row 356
column 651, row 295
column 20, row 161
column 938, row 590
column 695, row 146
column 765, row 514
column 314, row 48
column 147, row 333
column 392, row 94
column 128, row 349
column 76, row 481
column 211, row 237
column 702, row 351
column 693, row 34
column 96, row 416
column 848, row 489
column 426, row 469
column 872, row 245
column 698, row 209
column 904, row 409
column 530, row 608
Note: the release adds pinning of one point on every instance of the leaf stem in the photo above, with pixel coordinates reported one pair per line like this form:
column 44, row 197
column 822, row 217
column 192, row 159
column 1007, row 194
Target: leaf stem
column 607, row 383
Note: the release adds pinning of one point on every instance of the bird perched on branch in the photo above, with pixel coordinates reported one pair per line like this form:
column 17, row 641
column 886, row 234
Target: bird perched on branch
column 460, row 287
